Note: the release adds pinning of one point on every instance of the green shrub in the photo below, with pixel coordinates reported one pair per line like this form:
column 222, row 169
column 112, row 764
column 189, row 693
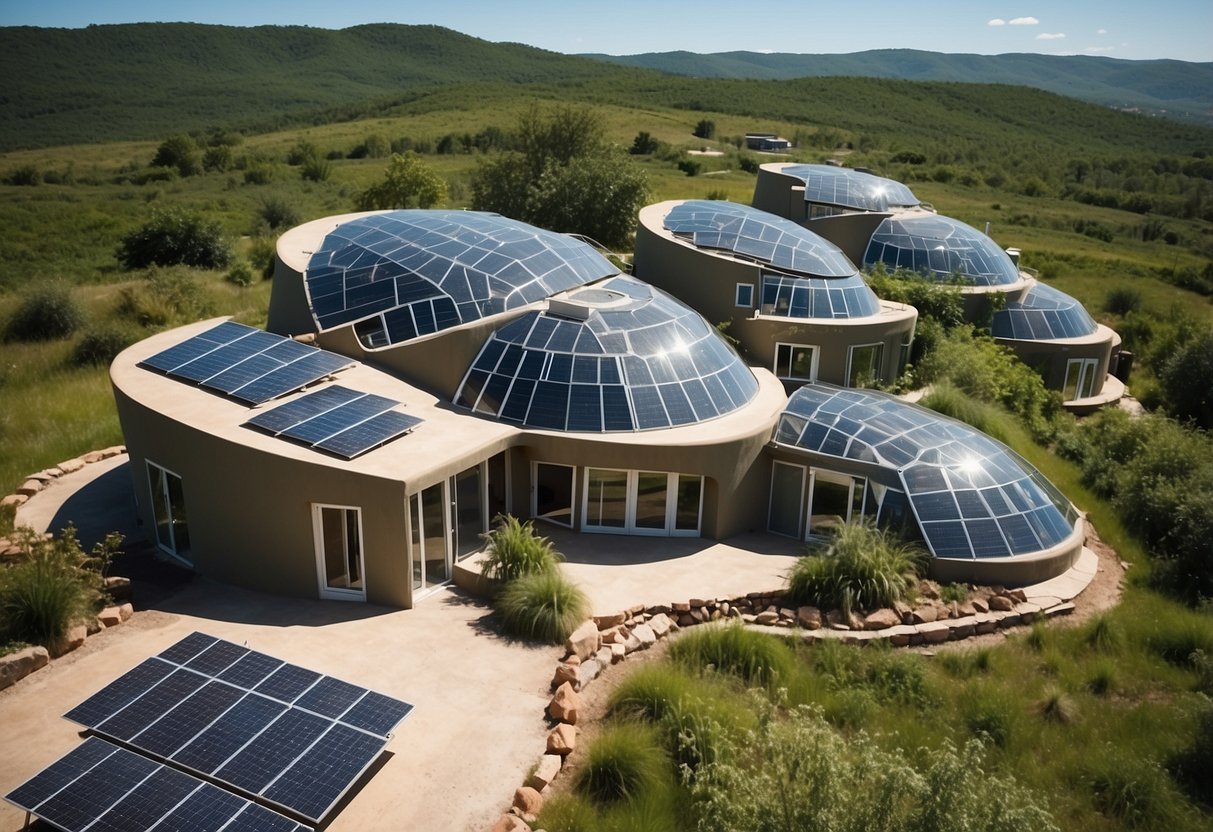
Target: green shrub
column 991, row 714
column 1102, row 678
column 754, row 657
column 951, row 401
column 1056, row 706
column 262, row 254
column 954, row 593
column 55, row 585
column 240, row 274
column 166, row 296
column 1121, row 300
column 896, row 676
column 101, row 344
column 965, row 664
column 859, row 568
column 47, row 312
column 277, row 213
column 1192, row 767
column 1134, row 790
column 650, row 691
column 514, row 549
column 1104, row 634
column 622, row 762
column 544, row 606
column 175, row 237
column 408, row 182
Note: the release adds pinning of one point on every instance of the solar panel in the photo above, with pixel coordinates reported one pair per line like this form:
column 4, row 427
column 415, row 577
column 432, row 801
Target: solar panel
column 289, row 735
column 250, row 365
column 105, row 788
column 338, row 420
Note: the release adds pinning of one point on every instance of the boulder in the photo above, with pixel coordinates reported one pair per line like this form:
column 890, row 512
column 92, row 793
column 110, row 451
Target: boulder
column 110, row 617
column 587, row 672
column 767, row 617
column 1001, row 603
column 528, row 802
column 1018, row 595
column 18, row 665
column 835, row 620
column 125, row 611
column 565, row 704
column 565, row 672
column 562, row 740
column 584, row 641
column 72, row 639
column 934, row 632
column 606, row 622
column 14, row 500
column 979, row 605
column 966, row 609
column 660, row 624
column 645, row 635
column 881, row 620
column 900, row 635
column 91, row 457
column 603, row 656
column 618, row 653
column 29, row 488
column 71, row 466
column 904, row 611
column 680, row 606
column 809, row 618
column 924, row 615
column 510, row 823
column 573, row 660
column 545, row 772
column 1060, row 609
column 632, row 644
column 113, row 450
column 118, row 589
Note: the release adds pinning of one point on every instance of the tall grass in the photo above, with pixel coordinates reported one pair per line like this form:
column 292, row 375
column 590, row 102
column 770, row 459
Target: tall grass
column 623, row 761
column 859, row 568
column 515, row 549
column 53, row 588
column 753, row 657
column 545, row 606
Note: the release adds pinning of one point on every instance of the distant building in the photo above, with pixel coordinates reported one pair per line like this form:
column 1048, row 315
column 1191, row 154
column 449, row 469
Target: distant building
column 878, row 220
column 766, row 141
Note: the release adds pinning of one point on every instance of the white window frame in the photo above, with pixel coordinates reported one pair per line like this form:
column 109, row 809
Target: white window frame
column 748, row 288
column 835, row 477
column 326, row 591
column 1087, row 369
column 167, row 504
column 879, row 360
column 790, row 346
column 633, row 484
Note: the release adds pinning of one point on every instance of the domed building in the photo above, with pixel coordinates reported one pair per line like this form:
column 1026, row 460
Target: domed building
column 878, row 221
column 423, row 372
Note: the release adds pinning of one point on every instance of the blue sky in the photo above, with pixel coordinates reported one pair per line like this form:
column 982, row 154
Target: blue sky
column 1181, row 29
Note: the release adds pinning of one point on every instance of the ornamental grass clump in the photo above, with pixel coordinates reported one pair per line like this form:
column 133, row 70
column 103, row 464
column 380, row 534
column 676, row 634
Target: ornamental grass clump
column 859, row 568
column 544, row 606
column 753, row 657
column 515, row 550
column 624, row 761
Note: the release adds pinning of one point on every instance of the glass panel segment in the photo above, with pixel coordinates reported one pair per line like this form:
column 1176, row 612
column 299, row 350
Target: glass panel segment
column 469, row 511
column 651, row 500
column 787, row 499
column 690, row 491
column 606, row 498
column 433, row 529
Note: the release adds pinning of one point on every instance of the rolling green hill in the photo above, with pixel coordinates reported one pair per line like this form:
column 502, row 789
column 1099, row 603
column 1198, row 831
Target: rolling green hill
column 1176, row 89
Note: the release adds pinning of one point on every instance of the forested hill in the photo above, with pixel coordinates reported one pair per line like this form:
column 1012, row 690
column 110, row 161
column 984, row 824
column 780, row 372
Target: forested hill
column 1177, row 89
column 147, row 79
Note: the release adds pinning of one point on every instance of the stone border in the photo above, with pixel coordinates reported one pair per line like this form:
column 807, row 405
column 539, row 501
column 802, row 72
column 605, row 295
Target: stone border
column 36, row 482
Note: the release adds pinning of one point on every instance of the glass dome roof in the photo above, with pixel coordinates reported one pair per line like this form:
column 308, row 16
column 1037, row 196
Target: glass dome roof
column 972, row 496
column 940, row 247
column 403, row 274
column 813, row 297
column 619, row 356
column 849, row 188
column 757, row 235
column 1043, row 314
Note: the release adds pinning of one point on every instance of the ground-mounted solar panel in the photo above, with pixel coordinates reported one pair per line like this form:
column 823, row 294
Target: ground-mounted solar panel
column 270, row 730
column 105, row 788
column 338, row 420
column 250, row 365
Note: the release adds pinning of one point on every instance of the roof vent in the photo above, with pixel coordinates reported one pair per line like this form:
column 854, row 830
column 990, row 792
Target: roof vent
column 1013, row 253
column 569, row 309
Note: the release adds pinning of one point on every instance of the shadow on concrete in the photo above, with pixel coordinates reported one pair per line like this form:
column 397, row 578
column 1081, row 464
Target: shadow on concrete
column 634, row 550
column 102, row 505
column 209, row 599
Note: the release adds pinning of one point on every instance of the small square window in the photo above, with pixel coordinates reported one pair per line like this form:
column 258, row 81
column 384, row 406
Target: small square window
column 745, row 295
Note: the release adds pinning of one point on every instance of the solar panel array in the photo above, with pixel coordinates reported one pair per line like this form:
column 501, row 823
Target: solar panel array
column 649, row 362
column 250, row 365
column 973, row 497
column 338, row 420
column 851, row 188
column 277, row 732
column 756, row 234
column 404, row 274
column 1043, row 314
column 940, row 248
column 813, row 297
column 104, row 788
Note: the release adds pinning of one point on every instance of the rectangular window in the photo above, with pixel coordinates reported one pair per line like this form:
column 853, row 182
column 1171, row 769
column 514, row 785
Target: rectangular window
column 641, row 502
column 787, row 499
column 796, row 362
column 606, row 498
column 745, row 295
column 863, row 365
column 338, row 533
column 1080, row 378
column 168, row 507
column 552, row 493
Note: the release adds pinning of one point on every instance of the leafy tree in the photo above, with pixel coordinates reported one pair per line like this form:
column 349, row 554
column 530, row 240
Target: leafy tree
column 1187, row 381
column 180, row 153
column 407, row 183
column 563, row 177
column 690, row 167
column 175, row 237
column 643, row 144
column 218, row 158
column 705, row 129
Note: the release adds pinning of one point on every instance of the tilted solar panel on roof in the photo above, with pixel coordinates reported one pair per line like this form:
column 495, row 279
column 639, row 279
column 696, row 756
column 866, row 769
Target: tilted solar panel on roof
column 338, row 420
column 286, row 734
column 247, row 364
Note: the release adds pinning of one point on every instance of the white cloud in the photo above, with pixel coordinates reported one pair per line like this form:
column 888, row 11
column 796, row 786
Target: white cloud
column 1051, row 36
column 998, row 21
column 1101, row 31
column 1095, row 50
column 1024, row 21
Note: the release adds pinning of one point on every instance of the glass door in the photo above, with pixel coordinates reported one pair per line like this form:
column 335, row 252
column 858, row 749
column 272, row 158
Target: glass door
column 606, row 502
column 834, row 499
column 338, row 531
column 552, row 493
column 641, row 502
column 787, row 499
column 430, row 551
column 650, row 503
column 168, row 507
column 470, row 521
